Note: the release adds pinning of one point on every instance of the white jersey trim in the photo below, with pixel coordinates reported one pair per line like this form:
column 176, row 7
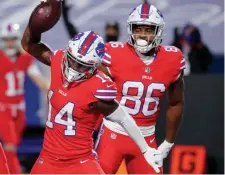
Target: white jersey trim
column 145, row 130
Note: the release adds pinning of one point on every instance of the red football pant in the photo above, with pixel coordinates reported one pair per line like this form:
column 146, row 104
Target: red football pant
column 20, row 124
column 3, row 163
column 112, row 148
column 7, row 128
column 11, row 129
column 47, row 165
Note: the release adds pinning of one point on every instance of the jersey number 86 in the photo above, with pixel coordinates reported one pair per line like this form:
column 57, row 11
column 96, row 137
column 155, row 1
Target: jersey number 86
column 144, row 102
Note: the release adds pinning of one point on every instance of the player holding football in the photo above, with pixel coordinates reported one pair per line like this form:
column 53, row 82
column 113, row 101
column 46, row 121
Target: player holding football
column 143, row 71
column 15, row 64
column 78, row 95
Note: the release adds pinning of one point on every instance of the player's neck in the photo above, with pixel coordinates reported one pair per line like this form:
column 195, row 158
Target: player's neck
column 148, row 57
column 149, row 53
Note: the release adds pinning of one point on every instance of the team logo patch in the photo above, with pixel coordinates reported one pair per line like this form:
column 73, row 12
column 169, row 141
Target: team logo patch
column 100, row 49
column 113, row 136
column 102, row 131
column 41, row 161
column 147, row 69
column 132, row 10
column 77, row 37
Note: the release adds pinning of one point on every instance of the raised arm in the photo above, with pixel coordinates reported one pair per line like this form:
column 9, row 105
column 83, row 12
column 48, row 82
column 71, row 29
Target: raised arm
column 32, row 44
column 42, row 19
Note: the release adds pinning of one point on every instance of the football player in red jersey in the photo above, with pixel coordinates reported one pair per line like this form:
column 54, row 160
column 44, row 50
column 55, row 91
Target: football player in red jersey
column 143, row 71
column 78, row 96
column 4, row 167
column 15, row 63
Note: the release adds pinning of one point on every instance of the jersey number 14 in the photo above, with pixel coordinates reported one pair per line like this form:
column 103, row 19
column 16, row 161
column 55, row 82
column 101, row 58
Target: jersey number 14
column 67, row 112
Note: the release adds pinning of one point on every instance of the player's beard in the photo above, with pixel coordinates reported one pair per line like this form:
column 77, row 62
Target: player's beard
column 111, row 38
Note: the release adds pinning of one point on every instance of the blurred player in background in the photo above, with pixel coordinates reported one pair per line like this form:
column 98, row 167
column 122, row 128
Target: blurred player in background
column 72, row 29
column 112, row 31
column 196, row 50
column 15, row 63
column 78, row 95
column 3, row 162
column 143, row 71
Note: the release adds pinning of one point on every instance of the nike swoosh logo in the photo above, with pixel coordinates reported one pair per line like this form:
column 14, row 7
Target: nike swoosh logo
column 152, row 140
column 83, row 161
column 108, row 86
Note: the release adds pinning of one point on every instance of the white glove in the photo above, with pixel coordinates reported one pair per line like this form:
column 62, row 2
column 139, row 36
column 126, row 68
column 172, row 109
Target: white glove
column 154, row 158
column 165, row 148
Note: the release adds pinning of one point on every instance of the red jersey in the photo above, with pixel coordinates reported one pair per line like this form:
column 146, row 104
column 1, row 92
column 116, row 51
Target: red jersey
column 70, row 122
column 12, row 77
column 141, row 86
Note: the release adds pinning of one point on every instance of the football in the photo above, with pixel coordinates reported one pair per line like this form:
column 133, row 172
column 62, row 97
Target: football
column 45, row 16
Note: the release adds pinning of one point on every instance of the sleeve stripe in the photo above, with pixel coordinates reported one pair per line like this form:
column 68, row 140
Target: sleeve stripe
column 183, row 67
column 108, row 94
column 178, row 77
column 105, row 97
column 107, row 55
column 183, row 60
column 183, row 64
column 107, row 90
column 106, row 61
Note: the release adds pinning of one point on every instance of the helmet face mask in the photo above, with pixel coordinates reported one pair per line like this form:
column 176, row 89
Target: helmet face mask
column 80, row 63
column 10, row 42
column 145, row 31
column 10, row 39
column 74, row 70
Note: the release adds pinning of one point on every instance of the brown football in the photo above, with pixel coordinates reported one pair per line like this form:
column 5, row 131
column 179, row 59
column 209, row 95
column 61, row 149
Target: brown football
column 45, row 16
